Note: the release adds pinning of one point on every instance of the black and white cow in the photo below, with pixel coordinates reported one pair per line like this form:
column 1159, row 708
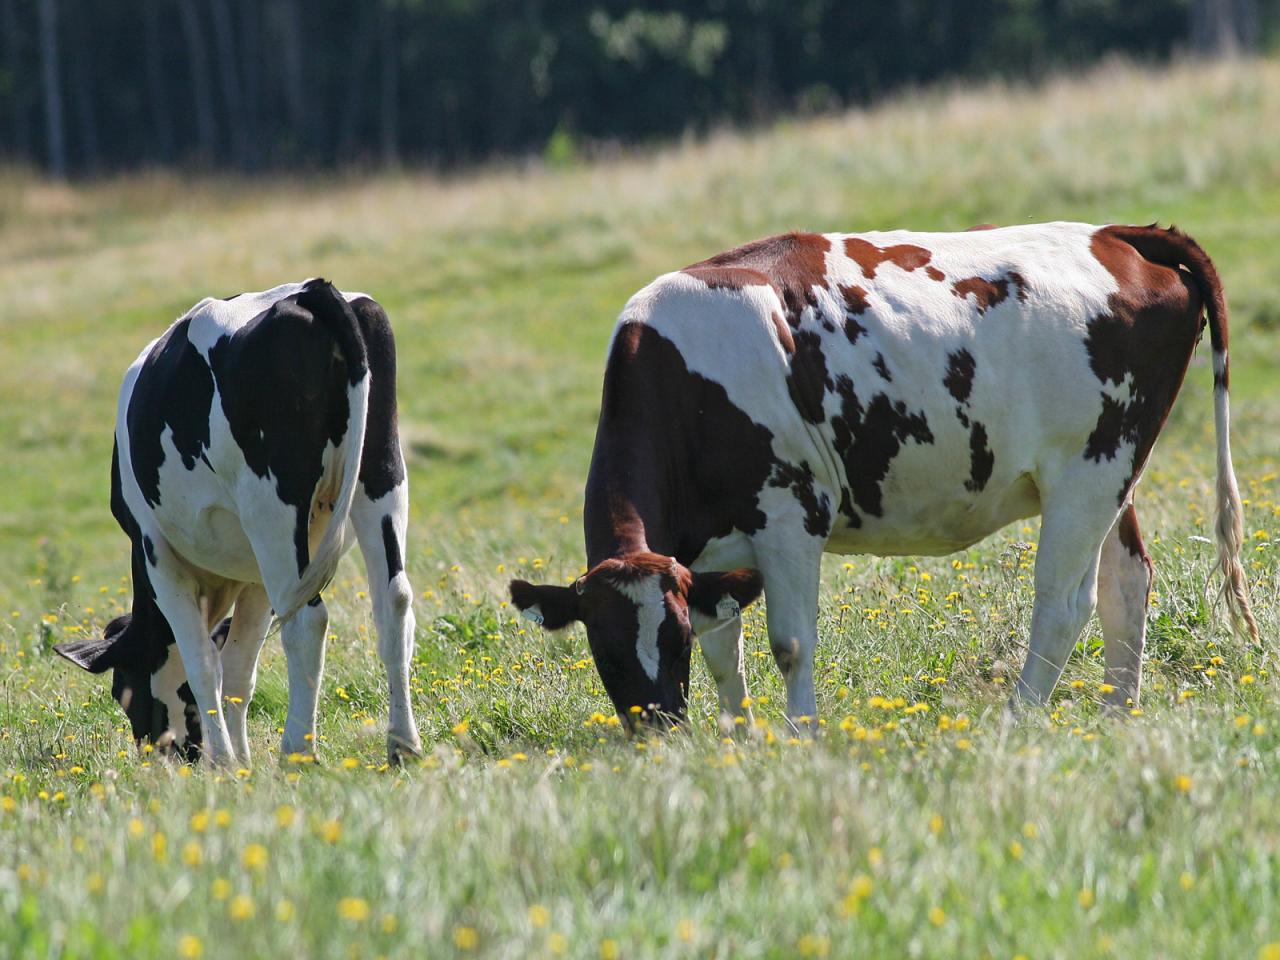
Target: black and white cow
column 885, row 393
column 255, row 441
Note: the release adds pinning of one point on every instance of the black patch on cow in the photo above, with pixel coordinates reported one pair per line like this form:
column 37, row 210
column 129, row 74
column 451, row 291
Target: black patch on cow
column 315, row 601
column 676, row 463
column 868, row 439
column 981, row 459
column 855, row 304
column 381, row 462
column 191, row 716
column 817, row 508
column 391, row 545
column 807, row 383
column 174, row 389
column 284, row 393
column 149, row 549
column 960, row 371
column 882, row 368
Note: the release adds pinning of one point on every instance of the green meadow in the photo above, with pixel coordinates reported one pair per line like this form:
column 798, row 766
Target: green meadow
column 916, row 824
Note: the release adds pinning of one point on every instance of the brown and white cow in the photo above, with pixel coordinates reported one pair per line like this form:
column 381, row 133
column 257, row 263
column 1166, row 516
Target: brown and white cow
column 885, row 393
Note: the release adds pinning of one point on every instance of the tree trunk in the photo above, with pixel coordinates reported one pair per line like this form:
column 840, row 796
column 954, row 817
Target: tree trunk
column 288, row 26
column 1224, row 28
column 197, row 56
column 357, row 65
column 225, row 42
column 161, row 122
column 251, row 58
column 389, row 110
column 82, row 86
column 52, row 88
column 19, row 131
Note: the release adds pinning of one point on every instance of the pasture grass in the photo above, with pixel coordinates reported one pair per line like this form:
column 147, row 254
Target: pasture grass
column 917, row 824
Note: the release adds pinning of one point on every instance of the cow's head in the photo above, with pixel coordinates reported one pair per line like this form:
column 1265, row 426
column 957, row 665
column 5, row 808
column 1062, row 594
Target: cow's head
column 148, row 681
column 641, row 612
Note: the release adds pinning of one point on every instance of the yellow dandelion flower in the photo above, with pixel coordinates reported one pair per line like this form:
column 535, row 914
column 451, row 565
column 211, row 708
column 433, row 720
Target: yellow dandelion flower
column 935, row 824
column 389, row 923
column 355, row 909
column 200, row 821
column 1085, row 898
column 465, row 938
column 284, row 911
column 330, row 831
column 220, row 889
column 254, row 857
column 937, row 916
column 1186, row 881
column 609, row 950
column 1182, row 783
column 190, row 947
column 192, row 855
column 285, row 815
column 1269, row 951
column 539, row 916
column 240, row 907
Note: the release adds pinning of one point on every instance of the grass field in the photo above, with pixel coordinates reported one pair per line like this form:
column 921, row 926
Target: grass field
column 915, row 825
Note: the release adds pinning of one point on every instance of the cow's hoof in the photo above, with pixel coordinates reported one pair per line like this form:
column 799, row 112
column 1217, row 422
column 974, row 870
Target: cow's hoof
column 399, row 750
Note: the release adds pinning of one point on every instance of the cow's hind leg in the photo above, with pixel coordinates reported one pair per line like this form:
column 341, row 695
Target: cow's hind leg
column 1124, row 582
column 270, row 526
column 380, row 527
column 240, row 662
column 1075, row 522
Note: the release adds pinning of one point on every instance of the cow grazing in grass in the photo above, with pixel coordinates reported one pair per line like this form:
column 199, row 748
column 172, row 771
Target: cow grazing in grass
column 885, row 393
column 255, row 441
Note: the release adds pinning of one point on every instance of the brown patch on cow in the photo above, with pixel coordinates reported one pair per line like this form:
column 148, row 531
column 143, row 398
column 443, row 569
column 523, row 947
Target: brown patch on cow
column 990, row 293
column 855, row 304
column 636, row 566
column 1130, row 536
column 980, row 226
column 986, row 293
column 869, row 257
column 784, row 332
column 793, row 264
column 1146, row 339
column 933, row 273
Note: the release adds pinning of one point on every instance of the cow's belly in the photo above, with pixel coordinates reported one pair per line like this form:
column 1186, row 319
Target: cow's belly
column 210, row 539
column 934, row 525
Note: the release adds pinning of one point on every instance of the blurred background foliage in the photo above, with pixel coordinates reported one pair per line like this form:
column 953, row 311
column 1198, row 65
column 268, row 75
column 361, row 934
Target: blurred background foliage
column 279, row 85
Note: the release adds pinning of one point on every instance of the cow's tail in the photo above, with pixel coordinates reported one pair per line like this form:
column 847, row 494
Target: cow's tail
column 331, row 310
column 1174, row 248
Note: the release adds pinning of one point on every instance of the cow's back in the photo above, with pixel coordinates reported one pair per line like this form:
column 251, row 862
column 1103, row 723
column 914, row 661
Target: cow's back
column 928, row 382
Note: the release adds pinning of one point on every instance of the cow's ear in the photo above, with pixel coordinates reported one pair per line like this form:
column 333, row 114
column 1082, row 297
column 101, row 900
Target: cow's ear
column 724, row 595
column 99, row 653
column 548, row 606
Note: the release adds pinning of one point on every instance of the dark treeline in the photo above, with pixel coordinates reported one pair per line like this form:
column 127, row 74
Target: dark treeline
column 97, row 85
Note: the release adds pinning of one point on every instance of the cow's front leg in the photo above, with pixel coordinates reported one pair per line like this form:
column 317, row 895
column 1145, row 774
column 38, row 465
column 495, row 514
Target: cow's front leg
column 240, row 663
column 176, row 598
column 791, row 591
column 722, row 649
column 303, row 637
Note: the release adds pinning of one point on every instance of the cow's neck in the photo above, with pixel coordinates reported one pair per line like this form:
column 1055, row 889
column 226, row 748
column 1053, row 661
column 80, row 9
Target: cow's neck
column 627, row 507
